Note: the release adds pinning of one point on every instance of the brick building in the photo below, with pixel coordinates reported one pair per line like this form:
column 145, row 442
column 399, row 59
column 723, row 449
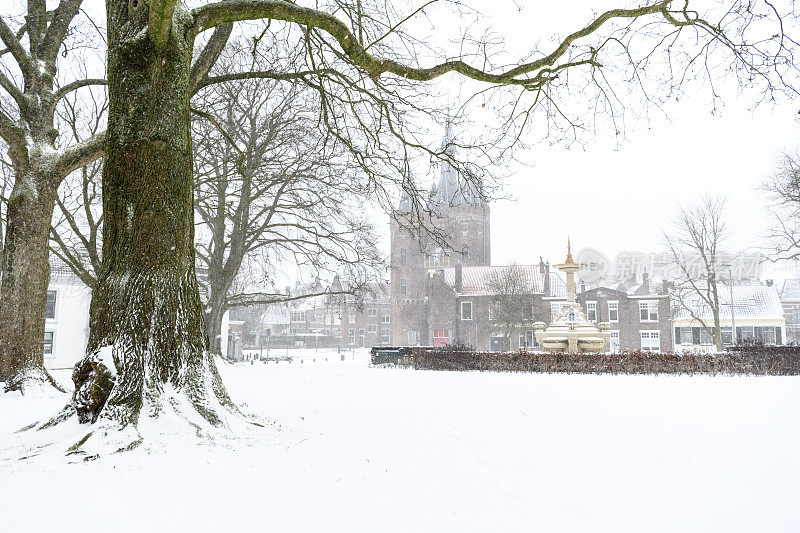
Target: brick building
column 464, row 302
column 321, row 321
column 640, row 316
column 460, row 214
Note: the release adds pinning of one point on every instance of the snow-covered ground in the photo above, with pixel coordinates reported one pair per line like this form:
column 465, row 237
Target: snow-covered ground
column 353, row 448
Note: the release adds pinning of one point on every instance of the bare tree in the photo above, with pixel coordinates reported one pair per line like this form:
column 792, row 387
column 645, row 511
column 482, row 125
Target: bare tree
column 511, row 301
column 78, row 219
column 146, row 307
column 783, row 187
column 271, row 188
column 31, row 89
column 695, row 245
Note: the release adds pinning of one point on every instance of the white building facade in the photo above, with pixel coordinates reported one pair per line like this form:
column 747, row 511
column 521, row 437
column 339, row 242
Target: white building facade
column 757, row 314
column 66, row 318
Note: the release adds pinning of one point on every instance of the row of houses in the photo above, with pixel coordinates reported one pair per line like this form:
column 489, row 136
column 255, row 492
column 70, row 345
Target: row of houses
column 462, row 306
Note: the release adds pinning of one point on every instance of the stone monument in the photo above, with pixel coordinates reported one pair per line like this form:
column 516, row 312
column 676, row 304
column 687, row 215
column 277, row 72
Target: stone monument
column 570, row 331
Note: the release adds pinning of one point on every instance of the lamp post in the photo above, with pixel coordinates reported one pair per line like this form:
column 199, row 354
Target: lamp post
column 733, row 318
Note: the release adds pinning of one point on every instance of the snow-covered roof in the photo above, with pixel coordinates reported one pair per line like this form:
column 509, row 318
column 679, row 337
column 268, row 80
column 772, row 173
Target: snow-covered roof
column 749, row 301
column 791, row 289
column 476, row 280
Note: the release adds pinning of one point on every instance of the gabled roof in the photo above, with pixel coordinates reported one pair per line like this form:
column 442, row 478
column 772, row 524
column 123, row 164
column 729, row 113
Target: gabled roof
column 476, row 280
column 791, row 289
column 749, row 301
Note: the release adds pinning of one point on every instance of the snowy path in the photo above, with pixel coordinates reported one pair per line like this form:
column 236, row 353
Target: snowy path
column 361, row 449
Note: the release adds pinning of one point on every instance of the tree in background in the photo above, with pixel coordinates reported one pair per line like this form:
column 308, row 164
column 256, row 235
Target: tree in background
column 146, row 317
column 511, row 301
column 783, row 188
column 31, row 91
column 695, row 243
column 272, row 190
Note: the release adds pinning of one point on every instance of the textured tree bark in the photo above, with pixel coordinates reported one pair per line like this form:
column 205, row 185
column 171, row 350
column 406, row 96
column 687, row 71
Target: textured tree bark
column 26, row 275
column 147, row 304
column 216, row 310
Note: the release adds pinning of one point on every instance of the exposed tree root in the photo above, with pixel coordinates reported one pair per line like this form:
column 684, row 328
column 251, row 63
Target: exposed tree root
column 31, row 378
column 96, row 423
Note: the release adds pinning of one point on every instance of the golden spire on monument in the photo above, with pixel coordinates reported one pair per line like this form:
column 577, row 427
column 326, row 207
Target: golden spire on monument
column 569, row 260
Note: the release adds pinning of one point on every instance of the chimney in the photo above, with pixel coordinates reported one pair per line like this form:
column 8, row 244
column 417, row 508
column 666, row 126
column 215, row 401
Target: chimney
column 664, row 286
column 645, row 278
column 583, row 286
column 769, row 283
column 459, row 278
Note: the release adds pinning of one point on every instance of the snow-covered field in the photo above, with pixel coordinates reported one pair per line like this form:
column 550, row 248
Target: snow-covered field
column 353, row 448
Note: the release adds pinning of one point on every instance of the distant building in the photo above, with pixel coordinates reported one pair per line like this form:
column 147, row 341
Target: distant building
column 324, row 320
column 463, row 300
column 757, row 311
column 639, row 316
column 462, row 216
column 790, row 301
column 66, row 317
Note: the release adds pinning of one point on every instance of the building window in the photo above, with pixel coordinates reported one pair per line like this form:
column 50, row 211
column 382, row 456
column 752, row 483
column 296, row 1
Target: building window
column 686, row 337
column 706, row 336
column 614, row 341
column 526, row 340
column 351, row 334
column 466, row 310
column 403, row 257
column 372, row 312
column 613, row 311
column 727, row 337
column 48, row 342
column 372, row 328
column 464, row 251
column 385, row 316
column 651, row 341
column 298, row 316
column 441, row 337
column 402, row 287
column 648, row 311
column 385, row 336
column 50, row 306
column 555, row 310
column 351, row 316
column 796, row 315
column 745, row 334
column 591, row 311
column 412, row 338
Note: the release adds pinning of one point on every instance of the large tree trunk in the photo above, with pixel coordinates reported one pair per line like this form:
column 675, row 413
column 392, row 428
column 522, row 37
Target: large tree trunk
column 147, row 305
column 216, row 311
column 26, row 275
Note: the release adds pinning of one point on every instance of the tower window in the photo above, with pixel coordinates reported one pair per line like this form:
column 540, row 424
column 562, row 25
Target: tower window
column 403, row 287
column 403, row 257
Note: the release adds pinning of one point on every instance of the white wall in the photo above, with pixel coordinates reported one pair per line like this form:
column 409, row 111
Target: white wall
column 71, row 323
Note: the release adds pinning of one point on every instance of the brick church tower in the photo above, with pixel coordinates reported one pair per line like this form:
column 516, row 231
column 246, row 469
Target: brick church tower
column 462, row 216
